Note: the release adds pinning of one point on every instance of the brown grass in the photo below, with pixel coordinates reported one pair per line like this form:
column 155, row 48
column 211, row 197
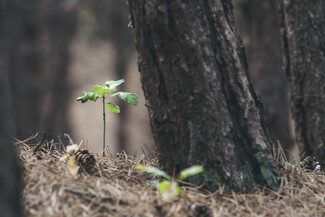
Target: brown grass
column 120, row 190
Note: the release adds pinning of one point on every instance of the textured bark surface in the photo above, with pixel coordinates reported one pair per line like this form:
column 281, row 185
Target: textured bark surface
column 259, row 24
column 37, row 37
column 303, row 32
column 202, row 107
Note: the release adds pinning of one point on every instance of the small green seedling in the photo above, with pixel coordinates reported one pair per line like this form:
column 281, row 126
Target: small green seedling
column 169, row 188
column 102, row 92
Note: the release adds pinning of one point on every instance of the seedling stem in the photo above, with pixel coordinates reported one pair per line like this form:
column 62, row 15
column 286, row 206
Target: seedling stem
column 104, row 121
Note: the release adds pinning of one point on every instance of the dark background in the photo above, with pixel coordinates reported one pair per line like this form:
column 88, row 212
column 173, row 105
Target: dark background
column 51, row 52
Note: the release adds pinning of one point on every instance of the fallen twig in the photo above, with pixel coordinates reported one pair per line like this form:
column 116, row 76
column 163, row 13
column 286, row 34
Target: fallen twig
column 38, row 146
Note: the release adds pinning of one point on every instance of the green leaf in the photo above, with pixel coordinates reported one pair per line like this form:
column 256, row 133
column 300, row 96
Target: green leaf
column 112, row 107
column 129, row 97
column 153, row 170
column 88, row 96
column 190, row 172
column 103, row 90
column 169, row 190
column 113, row 84
column 164, row 186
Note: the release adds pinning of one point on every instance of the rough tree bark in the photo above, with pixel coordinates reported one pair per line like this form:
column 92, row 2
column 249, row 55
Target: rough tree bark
column 202, row 107
column 303, row 32
column 37, row 36
column 259, row 23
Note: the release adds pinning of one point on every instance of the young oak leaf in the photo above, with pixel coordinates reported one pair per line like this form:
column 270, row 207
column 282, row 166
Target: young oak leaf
column 112, row 107
column 169, row 190
column 130, row 98
column 191, row 171
column 153, row 170
column 103, row 90
column 88, row 96
column 113, row 84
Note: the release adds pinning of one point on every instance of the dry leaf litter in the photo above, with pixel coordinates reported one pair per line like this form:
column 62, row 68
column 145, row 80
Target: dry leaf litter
column 117, row 189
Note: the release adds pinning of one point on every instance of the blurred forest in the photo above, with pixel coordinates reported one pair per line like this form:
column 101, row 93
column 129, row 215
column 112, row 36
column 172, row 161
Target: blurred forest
column 51, row 52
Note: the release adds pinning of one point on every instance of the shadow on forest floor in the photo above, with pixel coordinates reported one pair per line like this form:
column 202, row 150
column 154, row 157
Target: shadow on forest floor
column 117, row 189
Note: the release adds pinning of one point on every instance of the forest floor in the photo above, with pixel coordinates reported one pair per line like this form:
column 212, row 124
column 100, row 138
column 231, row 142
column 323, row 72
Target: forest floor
column 117, row 189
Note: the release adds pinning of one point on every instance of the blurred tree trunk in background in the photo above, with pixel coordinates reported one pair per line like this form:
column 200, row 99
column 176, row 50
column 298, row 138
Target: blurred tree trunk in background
column 10, row 172
column 203, row 109
column 258, row 22
column 112, row 24
column 37, row 35
column 303, row 31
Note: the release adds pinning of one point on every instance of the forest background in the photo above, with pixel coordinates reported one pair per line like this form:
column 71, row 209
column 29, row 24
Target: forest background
column 53, row 52
column 202, row 106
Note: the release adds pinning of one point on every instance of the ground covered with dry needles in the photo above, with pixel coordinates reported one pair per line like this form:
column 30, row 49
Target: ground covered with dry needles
column 117, row 189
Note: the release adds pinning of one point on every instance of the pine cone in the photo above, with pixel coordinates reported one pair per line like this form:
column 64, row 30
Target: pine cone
column 310, row 163
column 86, row 160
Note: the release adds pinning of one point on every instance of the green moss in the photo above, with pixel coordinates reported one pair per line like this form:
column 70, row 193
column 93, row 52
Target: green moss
column 210, row 178
column 195, row 135
column 190, row 99
column 195, row 179
column 247, row 178
column 268, row 171
column 213, row 179
column 248, row 175
column 191, row 130
column 195, row 138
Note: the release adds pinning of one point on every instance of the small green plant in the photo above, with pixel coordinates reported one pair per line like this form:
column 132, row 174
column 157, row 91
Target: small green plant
column 169, row 188
column 103, row 91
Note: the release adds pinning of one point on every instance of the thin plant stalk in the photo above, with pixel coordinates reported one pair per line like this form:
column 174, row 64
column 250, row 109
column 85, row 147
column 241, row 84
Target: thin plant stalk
column 104, row 121
column 100, row 91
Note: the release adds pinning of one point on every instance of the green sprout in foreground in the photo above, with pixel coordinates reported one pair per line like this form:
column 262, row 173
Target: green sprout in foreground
column 169, row 188
column 102, row 92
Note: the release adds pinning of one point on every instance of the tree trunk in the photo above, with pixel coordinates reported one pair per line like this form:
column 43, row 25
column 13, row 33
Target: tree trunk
column 37, row 37
column 203, row 109
column 259, row 24
column 303, row 32
column 10, row 172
